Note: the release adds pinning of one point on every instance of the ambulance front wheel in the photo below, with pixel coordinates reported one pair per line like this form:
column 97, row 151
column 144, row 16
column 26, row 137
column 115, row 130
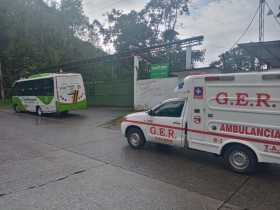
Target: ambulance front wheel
column 135, row 138
column 240, row 159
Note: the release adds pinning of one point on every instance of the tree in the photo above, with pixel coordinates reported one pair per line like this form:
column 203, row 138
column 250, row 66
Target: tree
column 125, row 31
column 73, row 16
column 162, row 15
column 155, row 24
column 36, row 34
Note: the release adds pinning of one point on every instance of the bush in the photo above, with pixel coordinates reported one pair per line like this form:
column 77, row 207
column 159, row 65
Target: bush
column 5, row 102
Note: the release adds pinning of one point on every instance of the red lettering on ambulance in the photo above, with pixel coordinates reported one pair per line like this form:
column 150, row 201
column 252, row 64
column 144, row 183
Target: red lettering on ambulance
column 241, row 99
column 222, row 98
column 267, row 132
column 277, row 134
column 153, row 130
column 263, row 98
column 162, row 132
column 273, row 148
column 171, row 134
column 253, row 131
column 266, row 147
column 241, row 129
column 260, row 132
column 222, row 128
column 229, row 128
column 247, row 132
column 235, row 129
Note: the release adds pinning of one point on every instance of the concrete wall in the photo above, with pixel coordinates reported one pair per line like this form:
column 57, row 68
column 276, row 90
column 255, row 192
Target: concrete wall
column 150, row 92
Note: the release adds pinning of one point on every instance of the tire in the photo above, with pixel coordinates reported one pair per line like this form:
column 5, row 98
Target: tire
column 16, row 109
column 135, row 138
column 240, row 159
column 39, row 111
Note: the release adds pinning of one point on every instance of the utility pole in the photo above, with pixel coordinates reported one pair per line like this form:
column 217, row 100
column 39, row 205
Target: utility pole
column 261, row 20
column 2, row 92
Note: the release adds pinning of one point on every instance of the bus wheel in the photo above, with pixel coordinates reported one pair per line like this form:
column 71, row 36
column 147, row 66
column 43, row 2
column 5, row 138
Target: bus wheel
column 135, row 138
column 39, row 111
column 64, row 113
column 16, row 109
column 240, row 159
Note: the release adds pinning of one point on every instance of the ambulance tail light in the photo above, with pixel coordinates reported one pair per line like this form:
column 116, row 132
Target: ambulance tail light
column 219, row 78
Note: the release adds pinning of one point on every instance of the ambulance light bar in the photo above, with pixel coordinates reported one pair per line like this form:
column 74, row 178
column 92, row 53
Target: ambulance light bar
column 219, row 78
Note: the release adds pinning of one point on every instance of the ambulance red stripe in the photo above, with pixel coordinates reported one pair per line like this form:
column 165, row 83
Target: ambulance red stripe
column 256, row 140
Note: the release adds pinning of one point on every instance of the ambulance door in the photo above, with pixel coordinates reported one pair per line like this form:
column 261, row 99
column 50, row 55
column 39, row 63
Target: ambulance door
column 196, row 137
column 165, row 123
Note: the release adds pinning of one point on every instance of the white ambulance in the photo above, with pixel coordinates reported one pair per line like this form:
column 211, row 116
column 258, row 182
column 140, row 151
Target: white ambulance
column 236, row 116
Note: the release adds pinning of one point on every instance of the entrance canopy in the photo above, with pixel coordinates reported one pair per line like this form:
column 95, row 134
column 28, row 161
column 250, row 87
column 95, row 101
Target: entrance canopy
column 266, row 52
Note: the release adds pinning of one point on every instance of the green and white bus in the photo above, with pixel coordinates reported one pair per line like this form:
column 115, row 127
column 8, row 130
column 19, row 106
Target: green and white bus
column 49, row 93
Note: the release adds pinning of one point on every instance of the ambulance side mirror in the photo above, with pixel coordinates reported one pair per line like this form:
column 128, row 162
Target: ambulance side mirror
column 151, row 112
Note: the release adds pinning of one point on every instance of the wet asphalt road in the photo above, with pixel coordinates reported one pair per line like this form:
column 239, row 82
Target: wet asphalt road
column 77, row 162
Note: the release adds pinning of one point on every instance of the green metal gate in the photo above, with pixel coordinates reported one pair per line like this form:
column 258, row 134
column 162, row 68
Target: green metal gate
column 110, row 84
column 110, row 93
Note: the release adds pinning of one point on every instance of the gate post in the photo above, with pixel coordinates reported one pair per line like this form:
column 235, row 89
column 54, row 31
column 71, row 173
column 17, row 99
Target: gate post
column 2, row 92
column 135, row 75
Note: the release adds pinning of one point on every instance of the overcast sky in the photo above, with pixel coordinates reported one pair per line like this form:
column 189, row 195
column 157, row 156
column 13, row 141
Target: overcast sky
column 221, row 21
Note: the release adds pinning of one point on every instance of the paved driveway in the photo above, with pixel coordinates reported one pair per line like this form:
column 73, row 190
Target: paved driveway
column 76, row 162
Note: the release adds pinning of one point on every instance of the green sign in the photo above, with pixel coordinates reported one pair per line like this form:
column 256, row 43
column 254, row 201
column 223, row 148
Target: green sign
column 159, row 71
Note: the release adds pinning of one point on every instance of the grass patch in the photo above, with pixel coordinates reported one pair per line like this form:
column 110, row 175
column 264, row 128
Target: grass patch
column 5, row 103
column 116, row 121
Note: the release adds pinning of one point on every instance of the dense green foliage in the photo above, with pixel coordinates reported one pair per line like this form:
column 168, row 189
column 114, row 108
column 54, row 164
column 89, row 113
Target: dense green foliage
column 36, row 33
column 40, row 33
column 155, row 24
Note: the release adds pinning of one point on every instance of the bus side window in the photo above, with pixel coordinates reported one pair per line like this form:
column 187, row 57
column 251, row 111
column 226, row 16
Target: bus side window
column 37, row 87
column 28, row 88
column 48, row 89
column 20, row 89
column 42, row 87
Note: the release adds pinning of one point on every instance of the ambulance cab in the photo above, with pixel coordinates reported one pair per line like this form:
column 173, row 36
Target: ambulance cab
column 232, row 115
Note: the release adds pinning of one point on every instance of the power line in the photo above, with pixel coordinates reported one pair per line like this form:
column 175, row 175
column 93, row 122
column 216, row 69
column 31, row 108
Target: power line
column 247, row 28
column 277, row 21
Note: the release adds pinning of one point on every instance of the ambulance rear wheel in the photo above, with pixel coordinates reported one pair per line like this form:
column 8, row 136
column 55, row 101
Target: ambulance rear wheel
column 135, row 138
column 240, row 159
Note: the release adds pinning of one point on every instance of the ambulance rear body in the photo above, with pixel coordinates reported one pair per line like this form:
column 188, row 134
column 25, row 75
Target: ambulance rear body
column 233, row 115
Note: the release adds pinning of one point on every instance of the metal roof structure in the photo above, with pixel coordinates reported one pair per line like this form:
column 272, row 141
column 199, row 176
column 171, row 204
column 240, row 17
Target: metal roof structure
column 193, row 41
column 266, row 52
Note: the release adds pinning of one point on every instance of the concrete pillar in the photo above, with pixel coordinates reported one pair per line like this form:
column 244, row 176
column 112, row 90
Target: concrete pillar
column 135, row 74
